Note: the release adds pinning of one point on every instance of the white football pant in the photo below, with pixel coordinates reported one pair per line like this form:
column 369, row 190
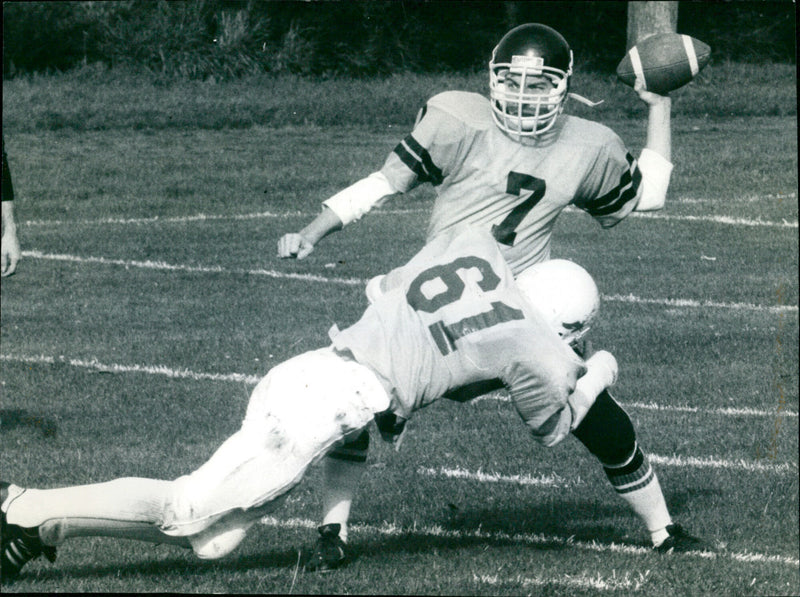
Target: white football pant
column 300, row 410
column 296, row 414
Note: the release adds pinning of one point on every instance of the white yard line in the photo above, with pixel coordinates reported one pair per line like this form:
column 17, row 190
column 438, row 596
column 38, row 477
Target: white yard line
column 96, row 365
column 742, row 199
column 167, row 220
column 165, row 371
column 522, row 538
column 500, row 396
column 718, row 220
column 554, row 480
column 164, row 266
column 727, row 411
column 713, row 219
column 718, row 463
column 551, row 480
column 581, row 581
column 692, row 303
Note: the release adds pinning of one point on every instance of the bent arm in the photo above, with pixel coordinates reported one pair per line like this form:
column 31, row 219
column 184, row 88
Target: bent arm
column 326, row 222
column 337, row 212
column 655, row 161
column 601, row 373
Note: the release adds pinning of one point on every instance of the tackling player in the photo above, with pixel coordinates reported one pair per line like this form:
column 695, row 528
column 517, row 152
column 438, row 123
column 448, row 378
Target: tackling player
column 510, row 164
column 453, row 322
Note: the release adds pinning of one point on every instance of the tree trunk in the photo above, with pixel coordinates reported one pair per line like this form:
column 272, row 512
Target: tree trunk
column 646, row 18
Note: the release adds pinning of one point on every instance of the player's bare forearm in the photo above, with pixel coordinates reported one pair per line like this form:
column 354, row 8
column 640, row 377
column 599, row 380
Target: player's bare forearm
column 300, row 244
column 321, row 226
column 655, row 161
column 659, row 128
column 601, row 373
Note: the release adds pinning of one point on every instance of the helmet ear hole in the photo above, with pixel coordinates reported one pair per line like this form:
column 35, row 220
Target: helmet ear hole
column 564, row 294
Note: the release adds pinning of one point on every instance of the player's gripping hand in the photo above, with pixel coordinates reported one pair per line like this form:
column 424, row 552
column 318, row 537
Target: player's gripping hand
column 294, row 245
column 601, row 374
column 603, row 364
column 648, row 97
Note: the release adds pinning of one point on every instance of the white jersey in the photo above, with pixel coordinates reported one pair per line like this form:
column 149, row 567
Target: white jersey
column 452, row 323
column 514, row 188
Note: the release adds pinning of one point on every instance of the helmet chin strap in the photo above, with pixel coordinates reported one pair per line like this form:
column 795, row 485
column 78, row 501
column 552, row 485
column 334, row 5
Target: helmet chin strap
column 584, row 100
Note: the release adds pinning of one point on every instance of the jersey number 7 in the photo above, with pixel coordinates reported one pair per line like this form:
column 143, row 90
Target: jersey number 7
column 518, row 184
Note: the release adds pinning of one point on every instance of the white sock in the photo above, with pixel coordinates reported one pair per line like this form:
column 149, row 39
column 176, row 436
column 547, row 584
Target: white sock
column 127, row 507
column 659, row 536
column 637, row 484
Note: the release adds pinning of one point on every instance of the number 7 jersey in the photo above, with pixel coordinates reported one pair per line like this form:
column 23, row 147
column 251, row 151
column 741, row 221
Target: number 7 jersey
column 452, row 323
column 516, row 189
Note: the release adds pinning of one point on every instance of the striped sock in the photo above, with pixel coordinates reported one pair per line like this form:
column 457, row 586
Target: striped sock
column 636, row 483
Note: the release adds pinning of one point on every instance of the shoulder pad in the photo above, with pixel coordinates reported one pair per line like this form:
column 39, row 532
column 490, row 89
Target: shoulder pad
column 587, row 132
column 470, row 108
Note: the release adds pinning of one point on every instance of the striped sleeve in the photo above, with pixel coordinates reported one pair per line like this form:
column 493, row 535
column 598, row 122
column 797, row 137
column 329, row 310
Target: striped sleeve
column 428, row 153
column 616, row 189
column 418, row 160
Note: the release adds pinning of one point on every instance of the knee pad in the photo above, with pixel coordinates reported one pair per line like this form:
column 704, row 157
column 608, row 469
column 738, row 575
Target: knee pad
column 179, row 508
column 607, row 431
column 225, row 535
column 214, row 543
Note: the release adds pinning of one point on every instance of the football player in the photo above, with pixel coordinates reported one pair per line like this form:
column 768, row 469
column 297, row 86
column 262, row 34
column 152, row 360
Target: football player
column 452, row 322
column 513, row 162
column 510, row 164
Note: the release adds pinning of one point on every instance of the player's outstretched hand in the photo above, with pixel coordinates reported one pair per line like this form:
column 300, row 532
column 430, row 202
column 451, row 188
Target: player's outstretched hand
column 648, row 97
column 294, row 245
column 10, row 254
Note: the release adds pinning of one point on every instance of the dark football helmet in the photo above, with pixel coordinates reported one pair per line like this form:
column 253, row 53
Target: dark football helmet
column 531, row 50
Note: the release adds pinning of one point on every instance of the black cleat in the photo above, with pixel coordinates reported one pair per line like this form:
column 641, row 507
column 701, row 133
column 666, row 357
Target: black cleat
column 329, row 552
column 680, row 541
column 19, row 545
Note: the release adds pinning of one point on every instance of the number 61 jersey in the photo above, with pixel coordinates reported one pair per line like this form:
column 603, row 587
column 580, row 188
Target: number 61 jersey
column 515, row 188
column 454, row 324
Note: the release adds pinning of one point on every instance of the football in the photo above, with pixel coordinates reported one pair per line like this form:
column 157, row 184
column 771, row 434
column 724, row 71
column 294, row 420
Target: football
column 664, row 62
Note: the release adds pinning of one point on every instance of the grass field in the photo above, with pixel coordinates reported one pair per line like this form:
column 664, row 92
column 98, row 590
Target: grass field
column 149, row 300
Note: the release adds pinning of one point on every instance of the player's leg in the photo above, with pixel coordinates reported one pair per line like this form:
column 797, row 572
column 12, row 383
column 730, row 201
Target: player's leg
column 130, row 508
column 296, row 414
column 608, row 433
column 35, row 521
column 343, row 469
column 160, row 511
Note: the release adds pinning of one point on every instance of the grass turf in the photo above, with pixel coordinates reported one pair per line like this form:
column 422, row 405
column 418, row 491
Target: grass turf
column 419, row 527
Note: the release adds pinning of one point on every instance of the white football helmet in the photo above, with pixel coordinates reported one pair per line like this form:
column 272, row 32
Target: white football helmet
column 530, row 50
column 564, row 293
